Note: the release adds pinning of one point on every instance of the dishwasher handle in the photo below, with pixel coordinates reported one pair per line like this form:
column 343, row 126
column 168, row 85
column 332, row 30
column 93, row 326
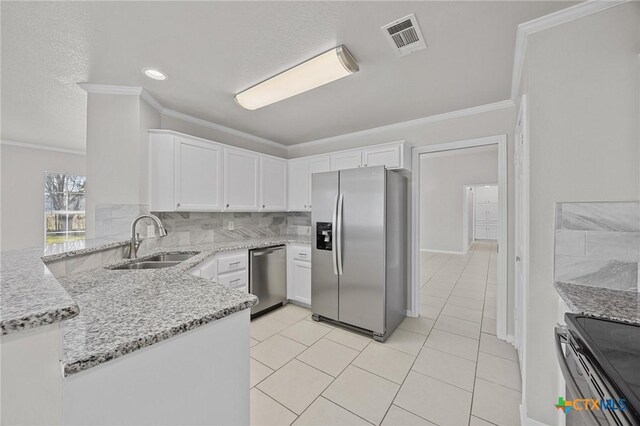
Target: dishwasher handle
column 268, row 250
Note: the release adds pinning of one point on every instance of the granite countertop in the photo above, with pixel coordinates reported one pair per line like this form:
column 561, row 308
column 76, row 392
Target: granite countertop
column 125, row 310
column 30, row 296
column 599, row 302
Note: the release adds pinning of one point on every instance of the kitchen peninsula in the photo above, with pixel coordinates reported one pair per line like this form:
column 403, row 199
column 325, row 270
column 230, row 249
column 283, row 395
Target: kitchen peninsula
column 138, row 346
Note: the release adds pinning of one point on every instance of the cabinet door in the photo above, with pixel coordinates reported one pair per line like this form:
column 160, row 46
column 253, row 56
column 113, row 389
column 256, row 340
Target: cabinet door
column 198, row 172
column 491, row 211
column 388, row 156
column 317, row 165
column 240, row 180
column 161, row 173
column 346, row 160
column 486, row 194
column 273, row 184
column 480, row 232
column 302, row 281
column 298, row 186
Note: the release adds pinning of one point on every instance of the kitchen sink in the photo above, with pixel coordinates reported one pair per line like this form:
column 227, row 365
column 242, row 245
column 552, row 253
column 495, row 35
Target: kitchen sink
column 148, row 265
column 170, row 257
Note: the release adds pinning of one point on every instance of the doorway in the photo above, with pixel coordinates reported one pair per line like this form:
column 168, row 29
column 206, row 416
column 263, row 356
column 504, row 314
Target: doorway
column 480, row 214
column 429, row 242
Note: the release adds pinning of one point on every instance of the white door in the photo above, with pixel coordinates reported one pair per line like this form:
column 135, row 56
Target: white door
column 318, row 165
column 198, row 175
column 298, row 186
column 273, row 184
column 346, row 160
column 388, row 156
column 521, row 160
column 240, row 180
column 302, row 281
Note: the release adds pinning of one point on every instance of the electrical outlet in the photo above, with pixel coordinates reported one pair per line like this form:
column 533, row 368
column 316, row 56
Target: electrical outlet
column 231, row 226
column 151, row 231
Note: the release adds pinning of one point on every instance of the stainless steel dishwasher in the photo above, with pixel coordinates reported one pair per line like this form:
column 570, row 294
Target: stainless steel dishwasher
column 268, row 277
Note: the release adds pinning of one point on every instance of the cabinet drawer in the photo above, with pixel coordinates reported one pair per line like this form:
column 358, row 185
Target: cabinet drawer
column 302, row 253
column 232, row 263
column 236, row 279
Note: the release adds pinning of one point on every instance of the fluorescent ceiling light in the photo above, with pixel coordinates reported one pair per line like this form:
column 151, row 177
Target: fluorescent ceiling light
column 154, row 74
column 324, row 68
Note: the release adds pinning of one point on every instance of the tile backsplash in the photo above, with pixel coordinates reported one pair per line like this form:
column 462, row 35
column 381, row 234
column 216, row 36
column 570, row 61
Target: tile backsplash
column 598, row 244
column 114, row 220
column 186, row 228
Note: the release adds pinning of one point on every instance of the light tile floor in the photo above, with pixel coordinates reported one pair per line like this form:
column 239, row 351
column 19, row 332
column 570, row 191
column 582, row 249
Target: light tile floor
column 446, row 367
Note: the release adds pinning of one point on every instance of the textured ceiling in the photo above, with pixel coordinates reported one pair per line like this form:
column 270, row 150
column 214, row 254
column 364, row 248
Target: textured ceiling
column 212, row 50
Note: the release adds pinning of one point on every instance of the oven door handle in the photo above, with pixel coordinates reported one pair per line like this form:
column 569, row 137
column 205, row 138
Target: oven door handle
column 562, row 336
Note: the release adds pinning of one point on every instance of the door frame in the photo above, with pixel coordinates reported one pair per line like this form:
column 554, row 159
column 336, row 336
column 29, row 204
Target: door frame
column 416, row 152
column 465, row 214
column 521, row 216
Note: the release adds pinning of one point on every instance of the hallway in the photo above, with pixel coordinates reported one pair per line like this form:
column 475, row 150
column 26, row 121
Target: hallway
column 459, row 294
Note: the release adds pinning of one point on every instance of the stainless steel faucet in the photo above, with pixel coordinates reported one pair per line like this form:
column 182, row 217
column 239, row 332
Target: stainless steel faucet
column 135, row 237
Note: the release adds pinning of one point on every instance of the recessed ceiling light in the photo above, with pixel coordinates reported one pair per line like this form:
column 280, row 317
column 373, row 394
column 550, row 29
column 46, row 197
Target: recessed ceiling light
column 154, row 74
column 324, row 68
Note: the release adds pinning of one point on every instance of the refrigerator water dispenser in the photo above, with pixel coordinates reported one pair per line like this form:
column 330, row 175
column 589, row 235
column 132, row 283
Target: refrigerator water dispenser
column 324, row 235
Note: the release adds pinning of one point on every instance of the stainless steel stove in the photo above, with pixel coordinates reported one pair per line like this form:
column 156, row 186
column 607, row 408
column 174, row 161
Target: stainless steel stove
column 600, row 362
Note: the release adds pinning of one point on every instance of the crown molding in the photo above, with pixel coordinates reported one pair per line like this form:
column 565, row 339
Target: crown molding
column 215, row 126
column 42, row 147
column 551, row 20
column 144, row 94
column 411, row 123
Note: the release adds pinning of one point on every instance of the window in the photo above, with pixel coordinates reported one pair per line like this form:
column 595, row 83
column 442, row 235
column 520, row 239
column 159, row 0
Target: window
column 64, row 204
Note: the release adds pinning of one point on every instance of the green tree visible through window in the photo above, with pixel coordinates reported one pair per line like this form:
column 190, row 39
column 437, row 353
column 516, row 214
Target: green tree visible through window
column 64, row 205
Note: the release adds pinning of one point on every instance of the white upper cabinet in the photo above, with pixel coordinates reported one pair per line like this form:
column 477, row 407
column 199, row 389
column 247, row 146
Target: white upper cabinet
column 388, row 156
column 318, row 164
column 187, row 173
column 273, row 184
column 346, row 160
column 240, row 180
column 298, row 185
column 184, row 174
column 198, row 166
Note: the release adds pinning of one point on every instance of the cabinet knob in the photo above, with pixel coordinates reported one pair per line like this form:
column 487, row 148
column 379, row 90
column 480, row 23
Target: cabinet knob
column 178, row 205
column 227, row 205
column 305, row 206
column 263, row 206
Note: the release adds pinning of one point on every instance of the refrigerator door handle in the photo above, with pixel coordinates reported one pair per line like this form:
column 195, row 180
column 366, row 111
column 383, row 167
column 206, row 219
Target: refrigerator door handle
column 333, row 239
column 339, row 229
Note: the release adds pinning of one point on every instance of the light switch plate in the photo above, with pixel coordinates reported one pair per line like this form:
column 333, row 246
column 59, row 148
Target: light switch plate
column 151, row 231
column 231, row 225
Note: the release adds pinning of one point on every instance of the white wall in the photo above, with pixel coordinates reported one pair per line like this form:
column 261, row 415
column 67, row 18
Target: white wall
column 583, row 89
column 117, row 151
column 22, row 194
column 442, row 180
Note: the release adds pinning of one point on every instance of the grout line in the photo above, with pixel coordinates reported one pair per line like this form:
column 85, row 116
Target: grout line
column 475, row 375
column 274, row 400
column 423, row 345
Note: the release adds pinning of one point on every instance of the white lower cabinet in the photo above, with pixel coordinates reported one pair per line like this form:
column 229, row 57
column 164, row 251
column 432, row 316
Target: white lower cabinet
column 229, row 269
column 299, row 273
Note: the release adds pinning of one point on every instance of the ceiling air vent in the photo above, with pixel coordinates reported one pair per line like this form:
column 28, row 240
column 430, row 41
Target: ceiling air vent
column 404, row 35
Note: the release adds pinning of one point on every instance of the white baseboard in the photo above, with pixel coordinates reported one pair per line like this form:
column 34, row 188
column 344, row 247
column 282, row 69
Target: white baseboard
column 443, row 251
column 526, row 421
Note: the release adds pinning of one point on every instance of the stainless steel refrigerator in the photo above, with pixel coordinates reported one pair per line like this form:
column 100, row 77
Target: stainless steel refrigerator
column 359, row 268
